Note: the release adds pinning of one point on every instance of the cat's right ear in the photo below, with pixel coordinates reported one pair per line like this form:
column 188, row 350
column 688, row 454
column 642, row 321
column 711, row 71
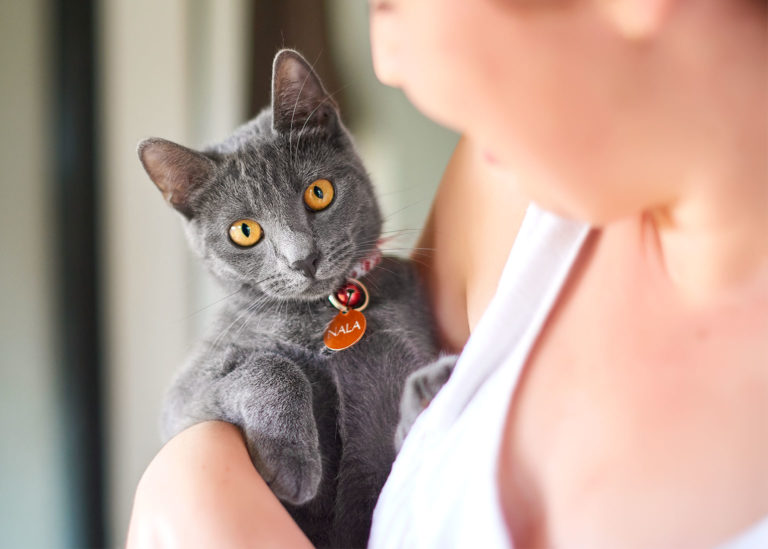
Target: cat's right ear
column 298, row 96
column 177, row 171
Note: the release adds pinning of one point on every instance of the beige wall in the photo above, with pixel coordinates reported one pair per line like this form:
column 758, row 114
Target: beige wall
column 32, row 480
column 173, row 69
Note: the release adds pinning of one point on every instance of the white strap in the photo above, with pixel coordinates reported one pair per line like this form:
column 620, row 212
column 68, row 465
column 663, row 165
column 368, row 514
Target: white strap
column 538, row 264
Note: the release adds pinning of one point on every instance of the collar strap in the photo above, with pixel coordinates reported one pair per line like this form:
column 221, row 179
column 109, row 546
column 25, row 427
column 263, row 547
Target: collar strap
column 362, row 268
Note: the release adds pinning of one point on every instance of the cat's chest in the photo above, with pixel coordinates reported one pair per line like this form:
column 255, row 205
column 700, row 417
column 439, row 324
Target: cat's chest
column 309, row 327
column 394, row 327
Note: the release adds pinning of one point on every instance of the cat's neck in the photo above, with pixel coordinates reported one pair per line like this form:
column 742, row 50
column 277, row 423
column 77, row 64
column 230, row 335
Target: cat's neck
column 247, row 293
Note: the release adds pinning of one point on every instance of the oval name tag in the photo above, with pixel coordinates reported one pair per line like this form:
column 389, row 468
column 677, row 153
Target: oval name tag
column 345, row 330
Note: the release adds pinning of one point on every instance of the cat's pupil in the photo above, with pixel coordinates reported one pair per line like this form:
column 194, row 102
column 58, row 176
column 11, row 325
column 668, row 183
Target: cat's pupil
column 318, row 192
column 246, row 230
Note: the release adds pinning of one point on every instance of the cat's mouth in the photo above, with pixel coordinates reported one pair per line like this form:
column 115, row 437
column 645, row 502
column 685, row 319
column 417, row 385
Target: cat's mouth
column 312, row 289
column 321, row 289
column 304, row 289
column 355, row 270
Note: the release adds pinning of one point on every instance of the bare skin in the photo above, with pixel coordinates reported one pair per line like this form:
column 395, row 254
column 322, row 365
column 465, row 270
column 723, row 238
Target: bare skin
column 639, row 420
column 201, row 490
column 612, row 427
column 474, row 219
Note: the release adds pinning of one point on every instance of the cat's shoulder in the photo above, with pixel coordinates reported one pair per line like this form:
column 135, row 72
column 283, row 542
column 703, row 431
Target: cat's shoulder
column 396, row 281
column 394, row 269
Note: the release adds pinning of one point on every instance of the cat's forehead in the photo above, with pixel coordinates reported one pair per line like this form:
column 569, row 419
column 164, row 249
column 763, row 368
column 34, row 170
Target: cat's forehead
column 268, row 164
column 265, row 178
column 257, row 148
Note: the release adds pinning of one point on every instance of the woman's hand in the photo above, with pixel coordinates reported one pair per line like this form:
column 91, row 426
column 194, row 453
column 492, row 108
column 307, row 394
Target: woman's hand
column 201, row 490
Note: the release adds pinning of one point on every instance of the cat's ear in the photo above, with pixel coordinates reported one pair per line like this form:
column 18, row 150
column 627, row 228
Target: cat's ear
column 177, row 171
column 299, row 99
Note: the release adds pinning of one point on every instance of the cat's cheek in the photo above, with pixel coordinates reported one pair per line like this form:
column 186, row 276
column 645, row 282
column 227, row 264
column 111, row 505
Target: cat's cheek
column 195, row 237
column 223, row 269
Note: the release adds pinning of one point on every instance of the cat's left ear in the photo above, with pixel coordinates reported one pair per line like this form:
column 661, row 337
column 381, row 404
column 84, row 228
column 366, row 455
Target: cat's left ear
column 299, row 99
column 177, row 171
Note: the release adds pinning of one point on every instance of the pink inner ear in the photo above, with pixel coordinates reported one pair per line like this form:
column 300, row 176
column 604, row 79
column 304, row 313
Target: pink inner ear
column 293, row 70
column 156, row 162
column 175, row 170
column 298, row 94
column 297, row 85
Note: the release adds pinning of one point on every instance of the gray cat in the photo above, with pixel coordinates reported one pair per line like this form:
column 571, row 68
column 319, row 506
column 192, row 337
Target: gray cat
column 281, row 212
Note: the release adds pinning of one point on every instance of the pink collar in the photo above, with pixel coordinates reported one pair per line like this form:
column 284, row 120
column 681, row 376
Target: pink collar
column 362, row 268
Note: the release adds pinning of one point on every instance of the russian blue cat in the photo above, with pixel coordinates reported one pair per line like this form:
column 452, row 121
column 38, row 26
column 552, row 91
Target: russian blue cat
column 281, row 212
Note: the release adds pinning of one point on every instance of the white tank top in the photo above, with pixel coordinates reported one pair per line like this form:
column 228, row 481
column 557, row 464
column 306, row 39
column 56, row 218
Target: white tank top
column 443, row 488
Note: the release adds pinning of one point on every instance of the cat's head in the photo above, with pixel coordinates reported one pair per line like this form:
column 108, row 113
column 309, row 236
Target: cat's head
column 284, row 205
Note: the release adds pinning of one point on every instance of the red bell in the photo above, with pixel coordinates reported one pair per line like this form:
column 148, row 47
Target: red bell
column 349, row 295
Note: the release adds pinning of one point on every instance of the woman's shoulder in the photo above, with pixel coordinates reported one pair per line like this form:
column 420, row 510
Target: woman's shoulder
column 463, row 249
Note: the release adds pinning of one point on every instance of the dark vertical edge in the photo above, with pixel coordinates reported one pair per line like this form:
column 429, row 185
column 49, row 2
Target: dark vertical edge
column 265, row 40
column 300, row 24
column 78, row 278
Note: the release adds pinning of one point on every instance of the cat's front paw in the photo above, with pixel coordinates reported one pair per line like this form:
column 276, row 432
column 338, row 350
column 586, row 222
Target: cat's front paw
column 292, row 473
column 297, row 478
column 419, row 390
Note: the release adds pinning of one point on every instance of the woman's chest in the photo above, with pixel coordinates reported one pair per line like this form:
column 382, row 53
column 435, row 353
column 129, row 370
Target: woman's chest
column 636, row 423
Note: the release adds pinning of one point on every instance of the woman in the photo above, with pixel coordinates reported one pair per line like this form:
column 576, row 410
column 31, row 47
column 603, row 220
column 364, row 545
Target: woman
column 641, row 396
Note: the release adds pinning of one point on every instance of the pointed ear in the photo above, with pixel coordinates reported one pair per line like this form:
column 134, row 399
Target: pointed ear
column 298, row 97
column 177, row 171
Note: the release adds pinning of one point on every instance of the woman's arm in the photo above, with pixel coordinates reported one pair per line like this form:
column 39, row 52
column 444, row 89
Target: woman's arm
column 201, row 490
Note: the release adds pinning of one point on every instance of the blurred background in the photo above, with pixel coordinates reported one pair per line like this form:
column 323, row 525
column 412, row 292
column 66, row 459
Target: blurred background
column 100, row 299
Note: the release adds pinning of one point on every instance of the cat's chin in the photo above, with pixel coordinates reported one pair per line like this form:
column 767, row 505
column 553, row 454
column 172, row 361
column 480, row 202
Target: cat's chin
column 320, row 289
column 314, row 290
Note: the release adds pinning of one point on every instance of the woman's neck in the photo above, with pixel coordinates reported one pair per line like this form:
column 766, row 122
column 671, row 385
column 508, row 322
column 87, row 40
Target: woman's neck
column 713, row 240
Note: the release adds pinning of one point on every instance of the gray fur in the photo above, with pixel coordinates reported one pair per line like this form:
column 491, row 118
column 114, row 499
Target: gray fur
column 419, row 390
column 319, row 425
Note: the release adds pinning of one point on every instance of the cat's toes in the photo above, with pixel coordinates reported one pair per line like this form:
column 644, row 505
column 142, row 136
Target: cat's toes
column 297, row 479
column 423, row 384
column 419, row 390
column 293, row 476
column 402, row 430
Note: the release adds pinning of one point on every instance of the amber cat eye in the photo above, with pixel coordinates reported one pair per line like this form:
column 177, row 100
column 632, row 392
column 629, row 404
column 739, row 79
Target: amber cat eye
column 245, row 232
column 319, row 194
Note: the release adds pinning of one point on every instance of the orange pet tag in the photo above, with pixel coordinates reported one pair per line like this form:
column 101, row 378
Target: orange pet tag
column 348, row 326
column 345, row 330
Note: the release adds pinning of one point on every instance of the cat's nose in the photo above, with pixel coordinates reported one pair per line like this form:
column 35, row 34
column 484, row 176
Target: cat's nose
column 308, row 265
